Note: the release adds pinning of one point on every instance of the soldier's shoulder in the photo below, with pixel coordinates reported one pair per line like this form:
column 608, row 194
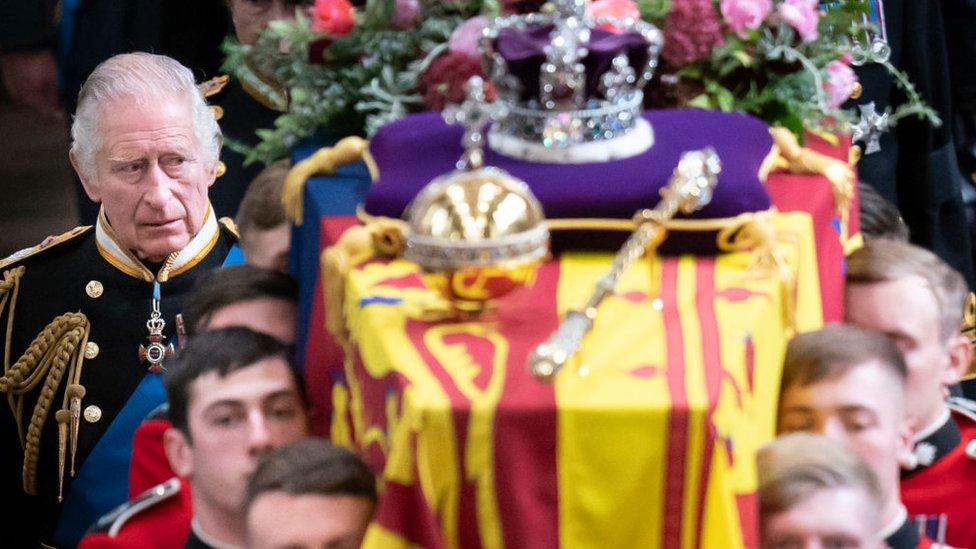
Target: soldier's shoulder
column 45, row 247
column 964, row 408
column 112, row 523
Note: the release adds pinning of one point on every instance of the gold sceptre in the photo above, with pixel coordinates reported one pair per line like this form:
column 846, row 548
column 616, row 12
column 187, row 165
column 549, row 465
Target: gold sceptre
column 689, row 189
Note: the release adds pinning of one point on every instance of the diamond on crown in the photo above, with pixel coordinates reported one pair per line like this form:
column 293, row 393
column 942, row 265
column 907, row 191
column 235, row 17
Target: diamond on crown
column 568, row 108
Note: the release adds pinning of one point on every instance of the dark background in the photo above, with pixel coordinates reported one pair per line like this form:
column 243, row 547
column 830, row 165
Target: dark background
column 37, row 196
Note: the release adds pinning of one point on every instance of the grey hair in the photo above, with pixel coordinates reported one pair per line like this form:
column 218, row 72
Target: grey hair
column 139, row 77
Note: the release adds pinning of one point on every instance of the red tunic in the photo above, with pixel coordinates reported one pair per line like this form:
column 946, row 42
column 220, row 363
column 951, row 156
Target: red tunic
column 158, row 519
column 947, row 485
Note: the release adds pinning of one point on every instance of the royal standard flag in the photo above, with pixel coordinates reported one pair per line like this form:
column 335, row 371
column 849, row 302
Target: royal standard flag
column 645, row 440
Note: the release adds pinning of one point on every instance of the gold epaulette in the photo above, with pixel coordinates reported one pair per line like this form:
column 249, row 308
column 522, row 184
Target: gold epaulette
column 231, row 226
column 47, row 244
column 215, row 85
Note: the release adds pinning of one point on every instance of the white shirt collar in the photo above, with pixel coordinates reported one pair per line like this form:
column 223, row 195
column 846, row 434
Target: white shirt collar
column 123, row 259
column 934, row 426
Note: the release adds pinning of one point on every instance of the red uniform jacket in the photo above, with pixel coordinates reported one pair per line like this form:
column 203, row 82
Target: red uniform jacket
column 942, row 489
column 157, row 519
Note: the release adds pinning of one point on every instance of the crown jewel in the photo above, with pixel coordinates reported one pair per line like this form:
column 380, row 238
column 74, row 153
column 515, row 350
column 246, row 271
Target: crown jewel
column 567, row 78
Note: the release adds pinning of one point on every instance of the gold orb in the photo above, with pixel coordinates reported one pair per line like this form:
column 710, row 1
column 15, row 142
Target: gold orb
column 478, row 235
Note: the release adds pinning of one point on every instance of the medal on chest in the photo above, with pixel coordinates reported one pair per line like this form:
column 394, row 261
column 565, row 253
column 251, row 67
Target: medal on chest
column 155, row 351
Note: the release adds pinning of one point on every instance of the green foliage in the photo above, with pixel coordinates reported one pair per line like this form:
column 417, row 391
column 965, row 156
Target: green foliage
column 366, row 79
column 370, row 76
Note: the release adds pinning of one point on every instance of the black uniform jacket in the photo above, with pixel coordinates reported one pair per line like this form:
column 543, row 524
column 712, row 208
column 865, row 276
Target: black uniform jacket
column 240, row 111
column 83, row 271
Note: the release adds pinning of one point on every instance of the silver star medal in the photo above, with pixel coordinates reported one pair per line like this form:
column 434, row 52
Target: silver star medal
column 869, row 128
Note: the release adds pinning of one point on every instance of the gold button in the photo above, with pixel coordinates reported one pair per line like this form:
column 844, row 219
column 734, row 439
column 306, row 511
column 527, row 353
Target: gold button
column 94, row 289
column 91, row 350
column 218, row 112
column 857, row 90
column 221, row 168
column 93, row 414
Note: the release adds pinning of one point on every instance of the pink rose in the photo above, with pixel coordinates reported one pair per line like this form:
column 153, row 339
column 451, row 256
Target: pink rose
column 405, row 13
column 802, row 15
column 333, row 17
column 613, row 9
column 745, row 14
column 465, row 37
column 840, row 83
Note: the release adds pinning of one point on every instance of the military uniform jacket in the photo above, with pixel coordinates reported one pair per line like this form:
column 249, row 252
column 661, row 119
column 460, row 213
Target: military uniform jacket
column 157, row 519
column 102, row 298
column 916, row 166
column 240, row 109
column 942, row 489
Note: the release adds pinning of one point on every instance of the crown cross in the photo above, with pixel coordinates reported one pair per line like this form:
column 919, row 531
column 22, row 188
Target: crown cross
column 475, row 113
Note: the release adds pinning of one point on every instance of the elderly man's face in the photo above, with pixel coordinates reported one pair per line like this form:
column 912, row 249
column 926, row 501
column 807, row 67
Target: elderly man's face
column 150, row 175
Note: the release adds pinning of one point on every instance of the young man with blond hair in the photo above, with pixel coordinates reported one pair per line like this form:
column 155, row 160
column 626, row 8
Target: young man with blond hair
column 813, row 492
column 912, row 296
column 849, row 384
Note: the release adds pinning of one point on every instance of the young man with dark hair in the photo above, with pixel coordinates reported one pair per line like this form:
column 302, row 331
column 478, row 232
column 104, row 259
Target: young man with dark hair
column 234, row 395
column 848, row 384
column 262, row 299
column 243, row 295
column 912, row 296
column 309, row 494
column 813, row 492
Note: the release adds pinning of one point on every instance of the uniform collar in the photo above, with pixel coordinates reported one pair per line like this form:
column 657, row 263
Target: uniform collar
column 934, row 442
column 124, row 260
column 900, row 533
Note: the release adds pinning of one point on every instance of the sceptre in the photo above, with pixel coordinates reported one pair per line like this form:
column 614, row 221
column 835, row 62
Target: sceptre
column 689, row 189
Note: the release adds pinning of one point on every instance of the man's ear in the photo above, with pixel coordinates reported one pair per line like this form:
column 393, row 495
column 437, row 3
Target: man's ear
column 960, row 356
column 91, row 188
column 178, row 452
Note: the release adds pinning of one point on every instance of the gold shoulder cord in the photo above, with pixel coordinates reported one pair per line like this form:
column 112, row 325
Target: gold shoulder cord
column 58, row 347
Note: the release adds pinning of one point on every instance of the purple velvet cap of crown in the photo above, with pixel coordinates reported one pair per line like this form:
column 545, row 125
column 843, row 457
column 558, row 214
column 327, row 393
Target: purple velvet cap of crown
column 414, row 150
column 524, row 51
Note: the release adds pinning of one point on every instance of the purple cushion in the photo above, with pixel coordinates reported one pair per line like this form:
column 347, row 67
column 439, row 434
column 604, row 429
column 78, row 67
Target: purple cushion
column 414, row 150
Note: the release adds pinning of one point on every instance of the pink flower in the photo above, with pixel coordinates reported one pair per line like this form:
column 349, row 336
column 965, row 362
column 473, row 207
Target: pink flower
column 333, row 17
column 405, row 13
column 691, row 30
column 802, row 15
column 465, row 37
column 745, row 14
column 840, row 83
column 613, row 9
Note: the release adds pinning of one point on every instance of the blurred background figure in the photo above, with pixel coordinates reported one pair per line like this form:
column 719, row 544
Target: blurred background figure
column 265, row 233
column 263, row 300
column 813, row 492
column 879, row 218
column 308, row 495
